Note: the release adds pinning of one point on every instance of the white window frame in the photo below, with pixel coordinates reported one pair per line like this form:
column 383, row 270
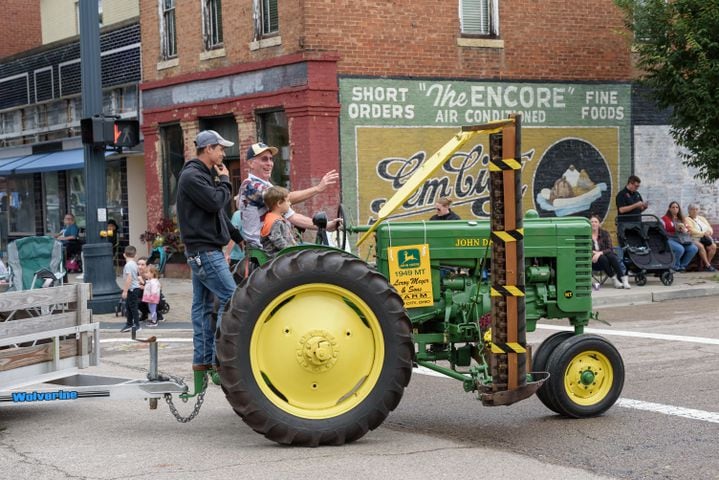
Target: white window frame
column 479, row 18
column 168, row 29
column 212, row 35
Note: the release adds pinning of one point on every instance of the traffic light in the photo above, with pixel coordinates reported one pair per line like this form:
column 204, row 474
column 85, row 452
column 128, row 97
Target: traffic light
column 105, row 131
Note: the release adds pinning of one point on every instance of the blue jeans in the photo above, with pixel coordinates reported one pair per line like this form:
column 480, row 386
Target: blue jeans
column 683, row 254
column 211, row 278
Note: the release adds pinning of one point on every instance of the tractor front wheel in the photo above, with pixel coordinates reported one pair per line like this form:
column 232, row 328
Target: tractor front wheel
column 539, row 364
column 315, row 349
column 586, row 376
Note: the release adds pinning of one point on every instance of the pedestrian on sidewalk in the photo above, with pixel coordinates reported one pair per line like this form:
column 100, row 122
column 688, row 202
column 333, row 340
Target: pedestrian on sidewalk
column 151, row 293
column 603, row 256
column 203, row 192
column 131, row 291
column 630, row 203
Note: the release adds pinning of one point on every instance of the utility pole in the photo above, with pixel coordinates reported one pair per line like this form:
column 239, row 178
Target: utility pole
column 97, row 263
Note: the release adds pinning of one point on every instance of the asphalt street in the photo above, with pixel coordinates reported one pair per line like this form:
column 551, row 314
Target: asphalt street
column 665, row 426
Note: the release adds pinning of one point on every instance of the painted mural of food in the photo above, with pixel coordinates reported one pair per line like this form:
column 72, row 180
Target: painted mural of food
column 572, row 193
column 572, row 179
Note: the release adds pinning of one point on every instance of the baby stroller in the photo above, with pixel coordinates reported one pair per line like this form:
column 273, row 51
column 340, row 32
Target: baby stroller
column 163, row 308
column 646, row 249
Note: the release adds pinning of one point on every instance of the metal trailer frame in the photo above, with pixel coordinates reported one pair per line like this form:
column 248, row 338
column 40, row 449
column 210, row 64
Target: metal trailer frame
column 57, row 318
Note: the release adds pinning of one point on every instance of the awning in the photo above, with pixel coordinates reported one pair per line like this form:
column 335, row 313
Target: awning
column 45, row 162
column 7, row 165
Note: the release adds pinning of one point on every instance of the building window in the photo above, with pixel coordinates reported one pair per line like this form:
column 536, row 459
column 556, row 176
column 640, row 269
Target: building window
column 168, row 31
column 173, row 158
column 266, row 17
column 479, row 17
column 51, row 191
column 272, row 129
column 76, row 196
column 21, row 203
column 212, row 23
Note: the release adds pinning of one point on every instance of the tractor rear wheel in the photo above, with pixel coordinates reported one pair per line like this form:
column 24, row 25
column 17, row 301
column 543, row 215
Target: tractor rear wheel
column 539, row 364
column 315, row 349
column 586, row 376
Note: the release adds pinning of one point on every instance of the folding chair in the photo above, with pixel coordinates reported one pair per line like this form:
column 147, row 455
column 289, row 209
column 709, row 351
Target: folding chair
column 35, row 262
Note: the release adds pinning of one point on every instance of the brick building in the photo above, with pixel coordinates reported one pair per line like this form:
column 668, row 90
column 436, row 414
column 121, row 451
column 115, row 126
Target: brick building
column 374, row 87
column 41, row 155
column 24, row 32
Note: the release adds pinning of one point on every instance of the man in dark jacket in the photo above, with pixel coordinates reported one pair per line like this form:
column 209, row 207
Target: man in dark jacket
column 203, row 191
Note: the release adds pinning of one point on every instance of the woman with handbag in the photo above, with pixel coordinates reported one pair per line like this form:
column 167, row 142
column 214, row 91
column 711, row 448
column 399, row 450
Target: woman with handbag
column 702, row 234
column 680, row 240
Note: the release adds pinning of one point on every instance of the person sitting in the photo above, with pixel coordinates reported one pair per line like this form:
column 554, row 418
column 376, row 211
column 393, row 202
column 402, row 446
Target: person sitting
column 680, row 241
column 260, row 161
column 702, row 234
column 276, row 232
column 443, row 210
column 234, row 252
column 69, row 235
column 603, row 256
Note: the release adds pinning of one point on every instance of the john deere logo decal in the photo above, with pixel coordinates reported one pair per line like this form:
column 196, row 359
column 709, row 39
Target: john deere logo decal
column 409, row 258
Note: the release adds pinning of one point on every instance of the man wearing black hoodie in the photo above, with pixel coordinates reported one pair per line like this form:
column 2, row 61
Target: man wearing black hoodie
column 203, row 191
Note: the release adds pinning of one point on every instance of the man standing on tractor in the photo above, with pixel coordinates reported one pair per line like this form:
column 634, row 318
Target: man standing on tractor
column 203, row 192
column 252, row 205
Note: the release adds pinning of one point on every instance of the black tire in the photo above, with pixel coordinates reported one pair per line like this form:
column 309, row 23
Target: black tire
column 281, row 306
column 667, row 278
column 641, row 279
column 539, row 364
column 586, row 376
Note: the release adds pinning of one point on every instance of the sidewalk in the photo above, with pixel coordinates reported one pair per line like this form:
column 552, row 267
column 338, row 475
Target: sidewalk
column 686, row 285
column 178, row 293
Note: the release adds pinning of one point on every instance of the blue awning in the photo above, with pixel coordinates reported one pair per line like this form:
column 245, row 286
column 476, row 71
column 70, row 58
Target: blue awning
column 45, row 162
column 7, row 165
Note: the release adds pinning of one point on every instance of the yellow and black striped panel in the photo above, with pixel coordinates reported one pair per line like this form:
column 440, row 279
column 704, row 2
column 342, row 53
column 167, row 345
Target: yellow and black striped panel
column 508, row 236
column 507, row 291
column 504, row 164
column 509, row 347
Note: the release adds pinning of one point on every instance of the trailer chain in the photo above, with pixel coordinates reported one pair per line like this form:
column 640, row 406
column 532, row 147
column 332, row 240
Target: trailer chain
column 198, row 402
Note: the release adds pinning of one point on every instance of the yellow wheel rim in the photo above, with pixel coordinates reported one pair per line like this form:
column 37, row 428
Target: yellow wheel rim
column 317, row 351
column 588, row 378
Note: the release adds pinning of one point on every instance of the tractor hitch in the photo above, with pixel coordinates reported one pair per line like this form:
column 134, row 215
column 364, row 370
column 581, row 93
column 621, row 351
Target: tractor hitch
column 508, row 397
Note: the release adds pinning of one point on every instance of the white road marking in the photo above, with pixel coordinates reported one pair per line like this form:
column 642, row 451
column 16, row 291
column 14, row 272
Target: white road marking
column 690, row 413
column 626, row 333
column 712, row 417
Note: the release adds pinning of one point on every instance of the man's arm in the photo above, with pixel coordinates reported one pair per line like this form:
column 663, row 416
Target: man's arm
column 302, row 195
column 301, row 221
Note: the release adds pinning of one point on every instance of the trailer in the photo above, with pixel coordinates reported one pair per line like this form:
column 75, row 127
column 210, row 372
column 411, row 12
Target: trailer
column 50, row 344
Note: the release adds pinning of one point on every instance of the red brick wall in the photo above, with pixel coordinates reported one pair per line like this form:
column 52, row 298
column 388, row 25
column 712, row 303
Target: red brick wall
column 22, row 31
column 543, row 39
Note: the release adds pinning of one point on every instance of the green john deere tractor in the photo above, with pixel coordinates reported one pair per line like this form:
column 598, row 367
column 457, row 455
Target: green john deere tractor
column 317, row 346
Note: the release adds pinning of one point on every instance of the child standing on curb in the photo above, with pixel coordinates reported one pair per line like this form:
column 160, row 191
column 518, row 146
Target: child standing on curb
column 151, row 295
column 131, row 291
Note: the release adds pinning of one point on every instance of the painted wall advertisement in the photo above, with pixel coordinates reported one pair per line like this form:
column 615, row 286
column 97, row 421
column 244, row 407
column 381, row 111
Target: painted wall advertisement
column 576, row 147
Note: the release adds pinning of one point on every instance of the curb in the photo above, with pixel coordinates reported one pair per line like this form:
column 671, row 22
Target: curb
column 622, row 298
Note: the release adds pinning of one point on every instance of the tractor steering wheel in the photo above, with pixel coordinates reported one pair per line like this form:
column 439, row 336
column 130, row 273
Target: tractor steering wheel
column 341, row 232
